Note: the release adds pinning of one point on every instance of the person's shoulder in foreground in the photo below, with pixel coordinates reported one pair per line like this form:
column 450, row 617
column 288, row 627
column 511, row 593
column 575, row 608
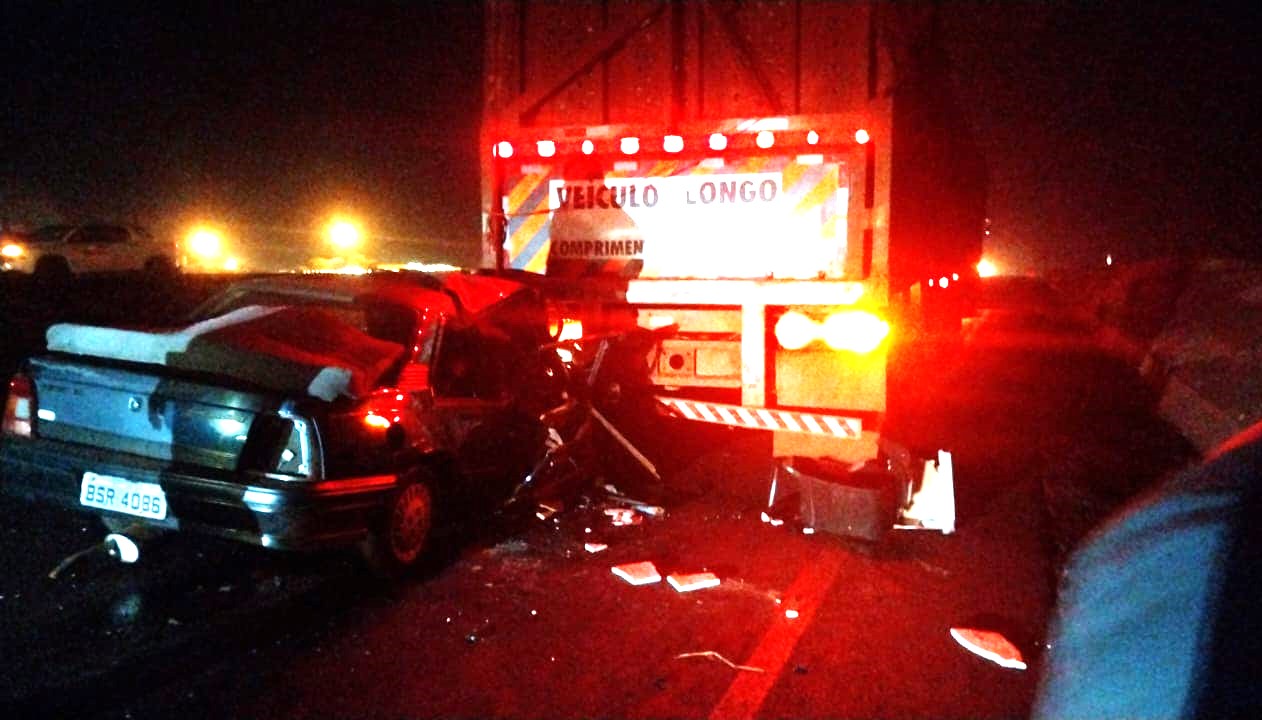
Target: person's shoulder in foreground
column 1158, row 614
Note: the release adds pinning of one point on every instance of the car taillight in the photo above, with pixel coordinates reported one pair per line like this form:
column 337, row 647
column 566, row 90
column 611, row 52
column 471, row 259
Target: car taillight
column 295, row 455
column 282, row 443
column 19, row 408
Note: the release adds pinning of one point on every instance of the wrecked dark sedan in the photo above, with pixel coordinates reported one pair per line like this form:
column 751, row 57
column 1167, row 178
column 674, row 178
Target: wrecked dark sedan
column 294, row 412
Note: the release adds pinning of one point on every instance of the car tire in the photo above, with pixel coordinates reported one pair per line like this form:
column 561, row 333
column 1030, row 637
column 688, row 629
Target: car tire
column 159, row 268
column 51, row 271
column 400, row 537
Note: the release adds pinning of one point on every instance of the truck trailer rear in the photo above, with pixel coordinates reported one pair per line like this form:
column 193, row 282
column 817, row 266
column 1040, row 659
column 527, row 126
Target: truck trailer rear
column 781, row 181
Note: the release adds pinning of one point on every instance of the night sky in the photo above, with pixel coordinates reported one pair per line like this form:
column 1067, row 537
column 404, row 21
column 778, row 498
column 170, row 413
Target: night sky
column 1117, row 128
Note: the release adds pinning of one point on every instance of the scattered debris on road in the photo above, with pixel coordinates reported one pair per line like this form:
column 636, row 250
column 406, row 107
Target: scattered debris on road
column 991, row 645
column 623, row 516
column 638, row 573
column 716, row 656
column 688, row 582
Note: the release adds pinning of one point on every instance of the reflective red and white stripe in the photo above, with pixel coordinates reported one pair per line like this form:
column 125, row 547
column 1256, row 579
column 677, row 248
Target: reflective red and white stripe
column 764, row 418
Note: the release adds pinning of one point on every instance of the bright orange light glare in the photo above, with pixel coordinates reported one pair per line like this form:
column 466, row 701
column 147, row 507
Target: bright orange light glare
column 854, row 330
column 861, row 136
column 12, row 251
column 343, row 233
column 204, row 241
column 986, row 268
column 795, row 331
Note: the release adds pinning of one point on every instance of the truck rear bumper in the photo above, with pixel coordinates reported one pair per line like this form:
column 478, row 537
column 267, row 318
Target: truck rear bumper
column 256, row 509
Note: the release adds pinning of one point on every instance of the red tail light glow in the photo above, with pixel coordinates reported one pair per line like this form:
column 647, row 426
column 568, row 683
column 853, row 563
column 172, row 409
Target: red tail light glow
column 718, row 142
column 503, row 149
column 629, row 145
column 861, row 136
column 19, row 408
column 546, row 148
column 765, row 139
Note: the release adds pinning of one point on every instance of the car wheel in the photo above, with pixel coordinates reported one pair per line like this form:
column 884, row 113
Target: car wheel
column 401, row 535
column 160, row 267
column 51, row 270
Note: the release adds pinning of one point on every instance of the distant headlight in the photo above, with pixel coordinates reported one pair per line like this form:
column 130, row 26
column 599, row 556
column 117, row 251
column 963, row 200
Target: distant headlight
column 12, row 251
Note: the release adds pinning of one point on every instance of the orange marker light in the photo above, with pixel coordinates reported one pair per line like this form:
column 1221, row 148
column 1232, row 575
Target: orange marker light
column 854, row 330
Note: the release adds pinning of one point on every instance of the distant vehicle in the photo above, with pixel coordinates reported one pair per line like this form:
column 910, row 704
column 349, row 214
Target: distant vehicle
column 296, row 412
column 58, row 251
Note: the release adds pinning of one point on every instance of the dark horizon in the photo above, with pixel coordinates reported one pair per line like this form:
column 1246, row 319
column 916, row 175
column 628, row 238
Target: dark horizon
column 1115, row 129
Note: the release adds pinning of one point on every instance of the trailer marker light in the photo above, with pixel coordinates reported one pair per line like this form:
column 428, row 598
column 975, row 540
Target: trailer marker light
column 765, row 139
column 629, row 145
column 503, row 149
column 547, row 148
column 673, row 143
column 854, row 330
column 718, row 141
column 812, row 138
column 795, row 331
column 944, row 282
column 588, row 147
column 861, row 136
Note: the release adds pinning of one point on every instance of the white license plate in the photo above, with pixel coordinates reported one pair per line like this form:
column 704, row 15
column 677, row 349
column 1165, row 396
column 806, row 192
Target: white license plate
column 122, row 495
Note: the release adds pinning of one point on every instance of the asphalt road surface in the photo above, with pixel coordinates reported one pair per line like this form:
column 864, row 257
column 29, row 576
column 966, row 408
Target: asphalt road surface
column 516, row 619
